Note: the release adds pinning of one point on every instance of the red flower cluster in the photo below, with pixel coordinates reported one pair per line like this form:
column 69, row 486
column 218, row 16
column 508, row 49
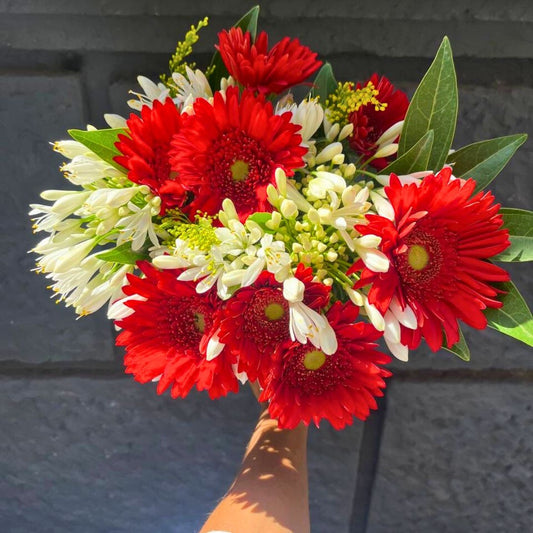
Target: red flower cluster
column 231, row 149
column 145, row 152
column 227, row 149
column 166, row 339
column 164, row 333
column 307, row 385
column 255, row 67
column 438, row 246
column 255, row 321
column 369, row 123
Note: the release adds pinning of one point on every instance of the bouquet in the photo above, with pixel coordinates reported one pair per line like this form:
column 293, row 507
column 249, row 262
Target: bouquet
column 258, row 220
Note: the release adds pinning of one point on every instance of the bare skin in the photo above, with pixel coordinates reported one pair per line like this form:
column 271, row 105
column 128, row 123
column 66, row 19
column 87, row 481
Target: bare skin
column 270, row 492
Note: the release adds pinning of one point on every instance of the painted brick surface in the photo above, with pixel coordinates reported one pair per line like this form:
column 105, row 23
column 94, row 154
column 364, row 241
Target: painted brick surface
column 455, row 457
column 495, row 10
column 330, row 32
column 35, row 109
column 86, row 455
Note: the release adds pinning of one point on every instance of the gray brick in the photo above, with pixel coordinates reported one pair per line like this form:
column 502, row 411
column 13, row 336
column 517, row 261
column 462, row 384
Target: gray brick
column 86, row 455
column 333, row 34
column 519, row 10
column 36, row 109
column 455, row 458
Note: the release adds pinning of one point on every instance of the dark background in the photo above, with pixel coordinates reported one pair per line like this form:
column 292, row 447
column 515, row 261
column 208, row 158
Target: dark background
column 84, row 449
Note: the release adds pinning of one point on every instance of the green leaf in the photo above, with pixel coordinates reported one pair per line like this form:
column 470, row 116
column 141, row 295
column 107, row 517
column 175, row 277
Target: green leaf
column 460, row 348
column 324, row 84
column 101, row 142
column 514, row 318
column 433, row 107
column 519, row 222
column 123, row 254
column 261, row 219
column 217, row 68
column 484, row 160
column 415, row 159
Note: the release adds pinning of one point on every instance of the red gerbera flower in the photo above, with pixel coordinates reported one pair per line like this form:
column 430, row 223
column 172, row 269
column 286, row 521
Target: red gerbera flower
column 231, row 149
column 307, row 385
column 255, row 67
column 255, row 321
column 369, row 123
column 438, row 246
column 145, row 152
column 163, row 335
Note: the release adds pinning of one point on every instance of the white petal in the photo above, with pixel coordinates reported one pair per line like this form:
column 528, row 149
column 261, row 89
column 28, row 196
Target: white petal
column 169, row 261
column 397, row 349
column 293, row 290
column 214, row 347
column 243, row 378
column 374, row 260
column 406, row 316
column 392, row 327
column 374, row 315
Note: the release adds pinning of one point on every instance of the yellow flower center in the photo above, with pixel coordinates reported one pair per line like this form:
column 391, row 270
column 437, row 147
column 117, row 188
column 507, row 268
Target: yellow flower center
column 239, row 170
column 199, row 322
column 314, row 360
column 274, row 311
column 417, row 257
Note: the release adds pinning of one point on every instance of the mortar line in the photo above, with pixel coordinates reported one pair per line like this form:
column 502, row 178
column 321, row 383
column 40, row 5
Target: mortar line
column 367, row 467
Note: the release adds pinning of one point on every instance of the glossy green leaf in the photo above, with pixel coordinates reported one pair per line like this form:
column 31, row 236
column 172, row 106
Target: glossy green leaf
column 217, row 68
column 261, row 219
column 514, row 318
column 415, row 159
column 101, row 142
column 484, row 160
column 324, row 83
column 460, row 348
column 519, row 222
column 433, row 107
column 123, row 254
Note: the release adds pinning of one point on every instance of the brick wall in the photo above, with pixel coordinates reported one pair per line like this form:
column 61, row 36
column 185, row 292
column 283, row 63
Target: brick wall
column 83, row 449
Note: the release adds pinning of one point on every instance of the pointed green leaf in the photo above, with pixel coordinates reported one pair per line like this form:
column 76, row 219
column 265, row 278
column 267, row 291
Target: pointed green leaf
column 217, row 68
column 484, row 160
column 124, row 255
column 460, row 348
column 415, row 159
column 101, row 142
column 324, row 84
column 519, row 222
column 514, row 318
column 433, row 107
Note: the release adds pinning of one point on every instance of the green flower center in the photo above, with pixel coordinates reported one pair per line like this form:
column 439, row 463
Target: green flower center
column 314, row 360
column 417, row 257
column 239, row 170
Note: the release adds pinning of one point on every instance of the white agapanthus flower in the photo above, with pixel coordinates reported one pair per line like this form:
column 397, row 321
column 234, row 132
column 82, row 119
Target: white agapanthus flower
column 136, row 223
column 305, row 323
column 308, row 114
column 152, row 91
column 190, row 87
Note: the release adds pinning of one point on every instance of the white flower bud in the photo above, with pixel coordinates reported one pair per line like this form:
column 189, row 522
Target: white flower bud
column 329, row 152
column 390, row 134
column 281, row 181
column 293, row 290
column 386, row 151
column 288, row 209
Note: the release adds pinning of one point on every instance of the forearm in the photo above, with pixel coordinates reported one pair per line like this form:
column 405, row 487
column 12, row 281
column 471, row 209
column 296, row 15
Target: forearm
column 270, row 492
